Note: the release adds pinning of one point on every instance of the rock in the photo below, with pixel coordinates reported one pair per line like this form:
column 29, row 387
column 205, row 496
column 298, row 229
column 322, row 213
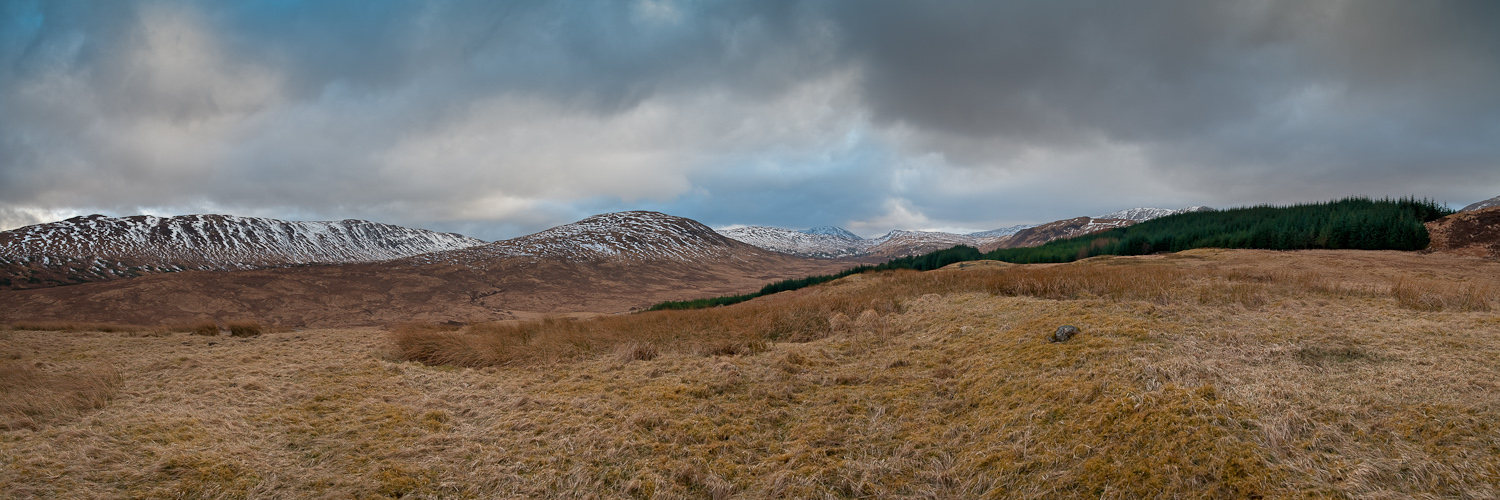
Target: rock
column 1063, row 333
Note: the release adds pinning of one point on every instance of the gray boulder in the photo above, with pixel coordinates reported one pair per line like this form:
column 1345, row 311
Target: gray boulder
column 1063, row 333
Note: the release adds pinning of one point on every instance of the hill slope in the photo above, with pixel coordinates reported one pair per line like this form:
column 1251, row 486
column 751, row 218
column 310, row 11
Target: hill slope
column 97, row 247
column 1069, row 228
column 1475, row 233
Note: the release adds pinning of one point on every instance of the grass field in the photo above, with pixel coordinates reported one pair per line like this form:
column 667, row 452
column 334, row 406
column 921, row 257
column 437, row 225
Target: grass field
column 1205, row 374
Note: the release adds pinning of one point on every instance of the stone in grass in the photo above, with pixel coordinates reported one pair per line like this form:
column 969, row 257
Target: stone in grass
column 1063, row 333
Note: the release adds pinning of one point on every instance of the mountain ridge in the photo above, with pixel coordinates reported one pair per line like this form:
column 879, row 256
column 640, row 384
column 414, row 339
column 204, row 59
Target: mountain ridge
column 832, row 242
column 98, row 247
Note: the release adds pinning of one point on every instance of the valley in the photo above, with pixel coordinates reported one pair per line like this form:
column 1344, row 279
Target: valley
column 1204, row 374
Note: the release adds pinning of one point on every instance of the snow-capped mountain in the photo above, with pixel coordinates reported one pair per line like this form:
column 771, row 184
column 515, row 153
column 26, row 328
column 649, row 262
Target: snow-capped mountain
column 1492, row 202
column 96, row 247
column 827, row 243
column 832, row 231
column 638, row 235
column 605, row 263
column 900, row 243
column 1142, row 214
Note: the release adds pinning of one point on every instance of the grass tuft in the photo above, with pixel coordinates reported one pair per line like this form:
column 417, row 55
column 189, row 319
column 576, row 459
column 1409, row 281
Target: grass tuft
column 244, row 329
column 35, row 393
column 1429, row 295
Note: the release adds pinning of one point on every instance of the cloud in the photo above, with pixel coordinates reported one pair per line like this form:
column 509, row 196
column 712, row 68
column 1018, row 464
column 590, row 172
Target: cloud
column 1252, row 98
column 503, row 118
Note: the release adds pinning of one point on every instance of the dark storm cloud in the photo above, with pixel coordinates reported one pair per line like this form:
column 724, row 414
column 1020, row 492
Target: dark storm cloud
column 1318, row 91
column 505, row 117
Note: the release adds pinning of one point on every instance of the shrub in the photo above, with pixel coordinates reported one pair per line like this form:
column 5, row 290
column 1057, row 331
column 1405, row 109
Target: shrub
column 205, row 328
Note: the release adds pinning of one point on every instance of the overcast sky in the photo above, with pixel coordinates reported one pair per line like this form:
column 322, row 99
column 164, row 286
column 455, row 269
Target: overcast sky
column 497, row 119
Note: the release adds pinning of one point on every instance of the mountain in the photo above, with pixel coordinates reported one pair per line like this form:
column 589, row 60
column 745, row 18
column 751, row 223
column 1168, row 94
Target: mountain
column 907, row 243
column 1492, row 202
column 608, row 263
column 639, row 235
column 836, row 243
column 1143, row 214
column 1067, row 228
column 832, row 231
column 96, row 247
column 829, row 243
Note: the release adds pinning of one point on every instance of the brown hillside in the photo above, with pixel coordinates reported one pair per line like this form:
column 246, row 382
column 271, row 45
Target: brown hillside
column 1475, row 233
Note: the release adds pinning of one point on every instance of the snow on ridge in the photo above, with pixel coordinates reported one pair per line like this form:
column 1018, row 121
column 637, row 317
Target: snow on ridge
column 224, row 241
column 831, row 231
column 637, row 235
column 1480, row 205
column 1004, row 231
column 800, row 243
column 1142, row 214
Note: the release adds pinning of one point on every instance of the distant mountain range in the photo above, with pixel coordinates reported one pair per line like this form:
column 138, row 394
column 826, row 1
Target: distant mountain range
column 829, row 242
column 606, row 263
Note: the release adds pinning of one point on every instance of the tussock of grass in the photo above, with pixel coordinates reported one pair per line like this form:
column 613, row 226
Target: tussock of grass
column 206, row 328
column 244, row 329
column 34, row 393
column 78, row 327
column 1431, row 295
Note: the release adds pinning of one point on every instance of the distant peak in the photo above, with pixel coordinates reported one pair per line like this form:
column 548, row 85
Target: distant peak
column 831, row 231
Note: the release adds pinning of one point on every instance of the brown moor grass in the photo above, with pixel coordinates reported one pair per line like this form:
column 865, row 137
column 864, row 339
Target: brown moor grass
column 32, row 394
column 1203, row 375
column 808, row 315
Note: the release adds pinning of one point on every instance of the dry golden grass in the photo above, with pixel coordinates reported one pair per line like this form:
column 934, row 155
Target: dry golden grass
column 1430, row 295
column 1203, row 375
column 57, row 326
column 32, row 394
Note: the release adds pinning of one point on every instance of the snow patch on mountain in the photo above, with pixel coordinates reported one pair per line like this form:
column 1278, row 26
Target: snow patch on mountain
column 223, row 241
column 831, row 243
column 831, row 231
column 1004, row 231
column 638, row 235
column 1492, row 202
column 1142, row 214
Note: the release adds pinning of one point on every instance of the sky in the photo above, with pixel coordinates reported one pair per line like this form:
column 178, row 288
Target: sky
column 496, row 119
